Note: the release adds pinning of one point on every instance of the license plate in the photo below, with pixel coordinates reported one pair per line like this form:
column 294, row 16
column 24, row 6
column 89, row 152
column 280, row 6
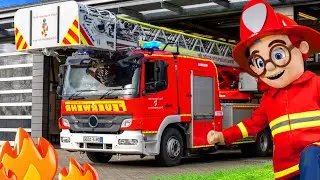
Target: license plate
column 92, row 139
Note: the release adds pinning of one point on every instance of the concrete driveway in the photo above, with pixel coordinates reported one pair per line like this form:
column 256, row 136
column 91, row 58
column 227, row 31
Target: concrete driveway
column 132, row 167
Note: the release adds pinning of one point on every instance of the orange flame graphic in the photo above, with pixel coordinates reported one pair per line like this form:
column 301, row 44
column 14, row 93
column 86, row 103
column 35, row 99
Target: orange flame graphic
column 77, row 172
column 28, row 161
column 25, row 153
column 6, row 175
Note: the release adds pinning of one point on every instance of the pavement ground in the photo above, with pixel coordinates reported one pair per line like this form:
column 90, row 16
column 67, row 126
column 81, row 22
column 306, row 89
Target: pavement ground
column 133, row 167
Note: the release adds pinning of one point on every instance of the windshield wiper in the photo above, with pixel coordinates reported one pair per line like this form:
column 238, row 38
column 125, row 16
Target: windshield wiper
column 112, row 91
column 81, row 91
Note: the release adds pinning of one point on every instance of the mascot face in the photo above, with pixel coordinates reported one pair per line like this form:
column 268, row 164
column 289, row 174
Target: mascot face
column 277, row 61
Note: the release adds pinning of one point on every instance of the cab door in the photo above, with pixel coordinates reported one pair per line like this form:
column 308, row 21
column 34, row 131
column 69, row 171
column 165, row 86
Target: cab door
column 158, row 93
column 202, row 107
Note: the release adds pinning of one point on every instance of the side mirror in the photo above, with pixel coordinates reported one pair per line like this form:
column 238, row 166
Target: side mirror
column 60, row 75
column 59, row 90
column 144, row 93
column 160, row 70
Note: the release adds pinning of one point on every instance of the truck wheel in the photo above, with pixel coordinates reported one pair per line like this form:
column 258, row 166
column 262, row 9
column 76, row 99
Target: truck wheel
column 260, row 148
column 263, row 143
column 171, row 148
column 99, row 157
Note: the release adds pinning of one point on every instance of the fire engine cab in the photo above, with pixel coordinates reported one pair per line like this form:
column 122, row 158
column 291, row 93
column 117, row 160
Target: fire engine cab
column 133, row 88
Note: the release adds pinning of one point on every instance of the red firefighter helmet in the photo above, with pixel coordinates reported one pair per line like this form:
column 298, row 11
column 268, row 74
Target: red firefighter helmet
column 258, row 20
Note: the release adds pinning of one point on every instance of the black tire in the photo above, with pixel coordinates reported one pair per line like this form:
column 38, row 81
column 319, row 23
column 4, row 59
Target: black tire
column 171, row 148
column 99, row 157
column 260, row 148
column 263, row 143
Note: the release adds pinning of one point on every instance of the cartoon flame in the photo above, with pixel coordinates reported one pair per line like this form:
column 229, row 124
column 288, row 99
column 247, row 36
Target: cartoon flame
column 32, row 173
column 28, row 159
column 6, row 175
column 77, row 172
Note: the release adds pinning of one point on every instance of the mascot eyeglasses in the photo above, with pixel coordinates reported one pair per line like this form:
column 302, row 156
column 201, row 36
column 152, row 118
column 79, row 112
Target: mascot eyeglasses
column 279, row 56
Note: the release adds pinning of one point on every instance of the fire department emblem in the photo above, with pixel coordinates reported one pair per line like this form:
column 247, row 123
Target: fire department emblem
column 44, row 31
column 155, row 102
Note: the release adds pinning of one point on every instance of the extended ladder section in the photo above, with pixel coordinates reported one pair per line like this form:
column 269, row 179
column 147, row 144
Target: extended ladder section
column 72, row 25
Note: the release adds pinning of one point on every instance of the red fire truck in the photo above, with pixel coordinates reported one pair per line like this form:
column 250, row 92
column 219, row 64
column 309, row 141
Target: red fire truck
column 135, row 88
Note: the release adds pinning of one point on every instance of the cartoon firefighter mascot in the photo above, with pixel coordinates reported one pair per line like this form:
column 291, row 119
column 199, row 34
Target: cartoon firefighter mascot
column 274, row 48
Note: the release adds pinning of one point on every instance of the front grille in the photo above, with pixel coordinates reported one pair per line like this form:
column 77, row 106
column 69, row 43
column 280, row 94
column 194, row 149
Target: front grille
column 108, row 124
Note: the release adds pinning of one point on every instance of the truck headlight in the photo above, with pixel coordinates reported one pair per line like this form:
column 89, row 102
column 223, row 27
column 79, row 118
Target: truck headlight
column 63, row 123
column 127, row 141
column 126, row 123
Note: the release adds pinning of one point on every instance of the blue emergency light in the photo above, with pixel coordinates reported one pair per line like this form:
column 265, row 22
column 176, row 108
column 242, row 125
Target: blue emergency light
column 151, row 45
column 85, row 51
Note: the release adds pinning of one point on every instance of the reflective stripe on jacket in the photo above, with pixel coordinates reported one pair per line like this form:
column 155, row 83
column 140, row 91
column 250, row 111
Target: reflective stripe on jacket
column 293, row 115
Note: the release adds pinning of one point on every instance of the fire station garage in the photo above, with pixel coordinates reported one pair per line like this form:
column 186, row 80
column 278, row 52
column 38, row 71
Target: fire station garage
column 28, row 82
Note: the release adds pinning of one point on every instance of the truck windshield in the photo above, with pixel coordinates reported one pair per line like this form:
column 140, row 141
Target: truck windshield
column 101, row 81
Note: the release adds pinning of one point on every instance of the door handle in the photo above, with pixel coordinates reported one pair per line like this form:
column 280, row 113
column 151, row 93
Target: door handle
column 168, row 105
column 188, row 95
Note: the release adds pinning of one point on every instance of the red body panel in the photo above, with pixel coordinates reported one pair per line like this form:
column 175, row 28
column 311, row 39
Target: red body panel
column 204, row 69
column 228, row 79
column 200, row 131
column 235, row 95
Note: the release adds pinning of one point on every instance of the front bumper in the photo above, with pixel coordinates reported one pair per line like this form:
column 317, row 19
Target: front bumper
column 109, row 144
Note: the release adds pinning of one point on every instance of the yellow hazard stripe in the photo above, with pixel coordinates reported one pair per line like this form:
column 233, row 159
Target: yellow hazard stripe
column 22, row 44
column 203, row 146
column 149, row 132
column 70, row 39
column 185, row 115
column 305, row 124
column 18, row 36
column 294, row 116
column 280, row 130
column 245, row 107
column 286, row 171
column 243, row 130
column 317, row 143
column 83, row 40
column 74, row 29
column 295, row 126
column 304, row 114
column 244, row 142
column 278, row 120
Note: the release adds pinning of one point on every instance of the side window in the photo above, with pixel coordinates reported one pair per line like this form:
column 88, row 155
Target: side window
column 149, row 76
column 156, row 76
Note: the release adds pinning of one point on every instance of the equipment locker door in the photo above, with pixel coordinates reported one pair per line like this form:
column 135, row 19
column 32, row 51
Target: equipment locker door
column 202, row 107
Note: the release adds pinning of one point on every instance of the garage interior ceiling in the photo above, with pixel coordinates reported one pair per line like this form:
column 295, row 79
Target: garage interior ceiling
column 215, row 19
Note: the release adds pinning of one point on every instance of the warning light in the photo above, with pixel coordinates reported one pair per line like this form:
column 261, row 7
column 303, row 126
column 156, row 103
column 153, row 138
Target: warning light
column 151, row 45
